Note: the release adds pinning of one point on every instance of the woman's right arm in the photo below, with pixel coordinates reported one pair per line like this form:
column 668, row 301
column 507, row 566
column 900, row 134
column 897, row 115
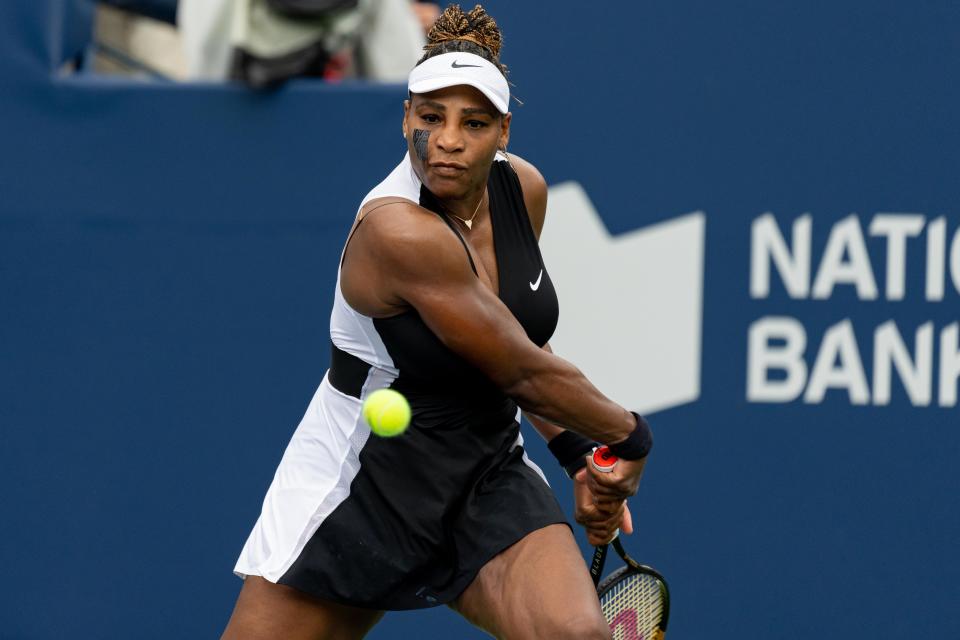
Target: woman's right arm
column 420, row 263
column 410, row 258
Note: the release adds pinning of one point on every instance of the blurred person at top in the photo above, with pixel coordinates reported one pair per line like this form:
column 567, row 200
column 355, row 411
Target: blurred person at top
column 263, row 43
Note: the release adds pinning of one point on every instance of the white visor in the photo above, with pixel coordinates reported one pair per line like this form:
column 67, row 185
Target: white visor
column 451, row 69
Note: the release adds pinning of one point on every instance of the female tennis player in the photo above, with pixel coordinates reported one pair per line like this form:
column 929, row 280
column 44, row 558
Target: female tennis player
column 442, row 295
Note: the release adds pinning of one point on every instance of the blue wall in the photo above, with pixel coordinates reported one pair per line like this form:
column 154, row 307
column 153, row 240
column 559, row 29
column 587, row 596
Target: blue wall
column 166, row 265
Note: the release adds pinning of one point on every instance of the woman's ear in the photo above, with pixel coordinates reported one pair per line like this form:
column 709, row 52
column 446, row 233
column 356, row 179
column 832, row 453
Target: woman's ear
column 504, row 132
column 406, row 112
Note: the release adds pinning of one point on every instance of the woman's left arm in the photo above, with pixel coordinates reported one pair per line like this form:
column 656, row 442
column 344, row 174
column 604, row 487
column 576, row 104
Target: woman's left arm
column 600, row 517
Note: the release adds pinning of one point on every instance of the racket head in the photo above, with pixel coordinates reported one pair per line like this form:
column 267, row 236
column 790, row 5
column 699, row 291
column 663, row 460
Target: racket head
column 636, row 602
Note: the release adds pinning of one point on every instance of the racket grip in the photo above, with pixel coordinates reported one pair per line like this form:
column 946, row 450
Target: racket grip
column 596, row 565
column 603, row 459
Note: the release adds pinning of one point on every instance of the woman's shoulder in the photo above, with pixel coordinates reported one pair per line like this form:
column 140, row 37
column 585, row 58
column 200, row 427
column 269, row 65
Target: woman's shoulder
column 530, row 177
column 397, row 231
column 395, row 241
column 534, row 190
column 397, row 219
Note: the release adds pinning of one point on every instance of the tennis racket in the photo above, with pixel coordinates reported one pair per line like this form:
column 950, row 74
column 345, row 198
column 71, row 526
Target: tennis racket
column 634, row 598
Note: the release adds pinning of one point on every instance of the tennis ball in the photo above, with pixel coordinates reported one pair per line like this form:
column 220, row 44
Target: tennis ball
column 387, row 412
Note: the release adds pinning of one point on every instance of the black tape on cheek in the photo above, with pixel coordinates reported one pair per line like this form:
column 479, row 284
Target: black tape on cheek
column 420, row 140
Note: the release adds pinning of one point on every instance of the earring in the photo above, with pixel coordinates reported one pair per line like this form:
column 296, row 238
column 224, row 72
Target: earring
column 503, row 150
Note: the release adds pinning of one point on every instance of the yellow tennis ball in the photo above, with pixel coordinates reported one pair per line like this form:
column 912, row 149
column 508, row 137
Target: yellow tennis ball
column 387, row 412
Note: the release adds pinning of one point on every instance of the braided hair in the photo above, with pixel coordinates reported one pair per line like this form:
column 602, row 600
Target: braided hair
column 458, row 32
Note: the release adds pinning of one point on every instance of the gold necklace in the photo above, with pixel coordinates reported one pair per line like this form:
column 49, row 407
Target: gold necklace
column 469, row 221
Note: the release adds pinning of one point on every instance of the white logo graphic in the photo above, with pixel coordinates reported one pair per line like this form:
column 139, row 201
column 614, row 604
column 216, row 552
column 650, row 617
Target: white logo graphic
column 631, row 306
column 536, row 285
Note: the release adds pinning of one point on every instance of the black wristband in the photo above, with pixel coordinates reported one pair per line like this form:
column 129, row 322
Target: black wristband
column 570, row 449
column 638, row 443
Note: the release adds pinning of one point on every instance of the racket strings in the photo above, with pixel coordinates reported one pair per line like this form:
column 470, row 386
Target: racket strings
column 633, row 607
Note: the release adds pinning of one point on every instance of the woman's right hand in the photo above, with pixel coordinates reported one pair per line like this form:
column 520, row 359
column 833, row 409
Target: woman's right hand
column 600, row 516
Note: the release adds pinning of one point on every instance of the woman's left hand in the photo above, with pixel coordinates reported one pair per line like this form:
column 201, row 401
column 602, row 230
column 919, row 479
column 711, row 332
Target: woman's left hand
column 600, row 516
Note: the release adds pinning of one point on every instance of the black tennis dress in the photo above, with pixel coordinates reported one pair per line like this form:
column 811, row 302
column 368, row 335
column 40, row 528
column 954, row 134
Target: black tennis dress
column 407, row 522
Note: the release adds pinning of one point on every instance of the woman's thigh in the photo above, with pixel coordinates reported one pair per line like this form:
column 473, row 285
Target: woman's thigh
column 537, row 588
column 267, row 610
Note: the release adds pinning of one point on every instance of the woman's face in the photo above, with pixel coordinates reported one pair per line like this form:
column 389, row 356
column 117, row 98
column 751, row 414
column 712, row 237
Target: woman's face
column 452, row 135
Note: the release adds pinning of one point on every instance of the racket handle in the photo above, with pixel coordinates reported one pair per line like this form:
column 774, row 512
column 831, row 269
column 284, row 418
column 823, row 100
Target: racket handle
column 596, row 565
column 603, row 460
column 600, row 556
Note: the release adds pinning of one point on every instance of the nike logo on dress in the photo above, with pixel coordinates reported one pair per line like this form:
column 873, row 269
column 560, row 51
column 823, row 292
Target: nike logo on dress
column 536, row 285
column 455, row 65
